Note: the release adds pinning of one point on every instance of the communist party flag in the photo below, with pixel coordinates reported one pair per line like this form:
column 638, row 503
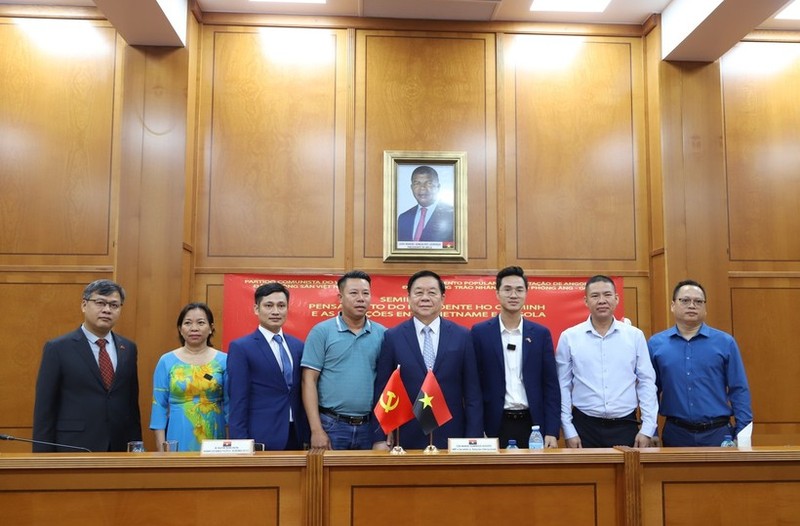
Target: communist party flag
column 393, row 408
column 430, row 407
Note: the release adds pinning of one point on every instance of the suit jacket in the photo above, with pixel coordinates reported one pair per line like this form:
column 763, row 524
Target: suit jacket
column 72, row 406
column 438, row 228
column 539, row 375
column 455, row 370
column 259, row 399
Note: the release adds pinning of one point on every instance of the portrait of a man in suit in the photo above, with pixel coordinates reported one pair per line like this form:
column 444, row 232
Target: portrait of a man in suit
column 430, row 219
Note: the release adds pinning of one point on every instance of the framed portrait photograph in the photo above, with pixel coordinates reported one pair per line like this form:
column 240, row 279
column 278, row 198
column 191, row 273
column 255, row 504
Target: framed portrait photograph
column 424, row 205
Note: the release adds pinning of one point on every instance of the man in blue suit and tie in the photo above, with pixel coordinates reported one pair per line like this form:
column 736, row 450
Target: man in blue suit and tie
column 264, row 378
column 448, row 351
column 517, row 368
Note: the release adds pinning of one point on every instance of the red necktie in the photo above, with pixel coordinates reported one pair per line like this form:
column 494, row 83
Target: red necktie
column 106, row 368
column 421, row 224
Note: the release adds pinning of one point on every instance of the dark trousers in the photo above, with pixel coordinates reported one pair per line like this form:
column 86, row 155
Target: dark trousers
column 292, row 443
column 516, row 425
column 605, row 432
column 674, row 435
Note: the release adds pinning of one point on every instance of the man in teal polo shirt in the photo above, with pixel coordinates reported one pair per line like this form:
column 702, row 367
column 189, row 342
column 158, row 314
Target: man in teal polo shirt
column 339, row 363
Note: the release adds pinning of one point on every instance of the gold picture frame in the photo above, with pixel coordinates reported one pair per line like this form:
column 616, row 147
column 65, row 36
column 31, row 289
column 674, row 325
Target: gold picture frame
column 428, row 185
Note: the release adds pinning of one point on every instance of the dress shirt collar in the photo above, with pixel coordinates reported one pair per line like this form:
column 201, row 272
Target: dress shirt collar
column 269, row 335
column 435, row 324
column 704, row 331
column 93, row 337
column 588, row 327
column 503, row 328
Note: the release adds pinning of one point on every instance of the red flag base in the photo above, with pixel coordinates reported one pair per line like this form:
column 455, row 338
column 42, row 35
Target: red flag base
column 397, row 450
column 431, row 450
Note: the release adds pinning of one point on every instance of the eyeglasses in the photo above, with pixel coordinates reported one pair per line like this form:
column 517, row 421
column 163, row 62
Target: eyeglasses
column 508, row 291
column 102, row 304
column 427, row 185
column 685, row 302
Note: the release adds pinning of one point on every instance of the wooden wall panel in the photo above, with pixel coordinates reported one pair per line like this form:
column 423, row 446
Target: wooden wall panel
column 715, row 487
column 273, row 117
column 452, row 489
column 764, row 330
column 151, row 165
column 695, row 200
column 424, row 92
column 104, row 184
column 575, row 140
column 56, row 109
column 153, row 488
column 637, row 302
column 209, row 289
column 762, row 137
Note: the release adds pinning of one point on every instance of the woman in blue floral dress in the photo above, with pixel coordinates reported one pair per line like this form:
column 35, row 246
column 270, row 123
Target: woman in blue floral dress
column 190, row 398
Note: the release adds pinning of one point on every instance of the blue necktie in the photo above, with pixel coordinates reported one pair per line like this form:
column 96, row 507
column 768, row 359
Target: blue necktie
column 286, row 365
column 427, row 348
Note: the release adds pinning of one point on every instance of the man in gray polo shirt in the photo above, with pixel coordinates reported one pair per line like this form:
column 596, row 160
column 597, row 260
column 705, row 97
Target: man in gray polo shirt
column 339, row 363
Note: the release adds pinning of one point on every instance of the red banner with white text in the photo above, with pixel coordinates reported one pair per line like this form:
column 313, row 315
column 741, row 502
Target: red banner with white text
column 556, row 303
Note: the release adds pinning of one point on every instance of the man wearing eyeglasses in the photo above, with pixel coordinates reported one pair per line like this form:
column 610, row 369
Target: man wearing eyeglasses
column 517, row 368
column 699, row 375
column 431, row 219
column 87, row 392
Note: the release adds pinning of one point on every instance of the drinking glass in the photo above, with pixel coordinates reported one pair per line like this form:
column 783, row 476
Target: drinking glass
column 136, row 446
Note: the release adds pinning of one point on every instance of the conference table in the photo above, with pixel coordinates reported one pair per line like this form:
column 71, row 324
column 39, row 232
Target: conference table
column 618, row 486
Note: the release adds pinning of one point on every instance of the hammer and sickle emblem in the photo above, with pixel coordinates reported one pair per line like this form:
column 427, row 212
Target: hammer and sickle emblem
column 388, row 405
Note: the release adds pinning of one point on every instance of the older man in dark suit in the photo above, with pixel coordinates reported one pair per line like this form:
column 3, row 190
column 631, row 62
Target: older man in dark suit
column 87, row 392
column 517, row 367
column 429, row 342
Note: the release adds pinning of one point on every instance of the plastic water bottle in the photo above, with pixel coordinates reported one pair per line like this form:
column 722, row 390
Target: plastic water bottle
column 535, row 441
column 512, row 444
column 728, row 442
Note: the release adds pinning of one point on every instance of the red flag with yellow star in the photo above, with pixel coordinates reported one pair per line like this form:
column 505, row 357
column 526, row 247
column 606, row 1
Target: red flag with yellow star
column 430, row 407
column 394, row 407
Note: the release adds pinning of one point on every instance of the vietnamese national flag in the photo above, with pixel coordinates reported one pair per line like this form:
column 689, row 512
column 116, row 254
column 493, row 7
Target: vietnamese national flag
column 394, row 407
column 430, row 407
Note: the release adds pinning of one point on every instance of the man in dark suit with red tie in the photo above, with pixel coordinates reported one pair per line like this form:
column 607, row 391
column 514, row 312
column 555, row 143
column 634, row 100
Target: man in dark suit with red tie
column 430, row 219
column 517, row 368
column 87, row 392
column 264, row 377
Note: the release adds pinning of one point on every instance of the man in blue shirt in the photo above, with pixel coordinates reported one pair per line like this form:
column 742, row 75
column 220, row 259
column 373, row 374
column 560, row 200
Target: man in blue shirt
column 700, row 375
column 339, row 364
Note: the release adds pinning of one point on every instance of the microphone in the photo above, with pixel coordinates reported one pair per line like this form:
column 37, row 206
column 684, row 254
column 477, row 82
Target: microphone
column 30, row 441
column 511, row 346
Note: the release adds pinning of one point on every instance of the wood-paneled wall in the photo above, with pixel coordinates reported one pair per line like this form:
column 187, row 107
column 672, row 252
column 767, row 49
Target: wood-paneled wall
column 725, row 203
column 259, row 148
column 93, row 142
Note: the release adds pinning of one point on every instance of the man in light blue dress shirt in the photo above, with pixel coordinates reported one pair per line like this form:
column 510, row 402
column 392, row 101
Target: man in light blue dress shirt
column 605, row 374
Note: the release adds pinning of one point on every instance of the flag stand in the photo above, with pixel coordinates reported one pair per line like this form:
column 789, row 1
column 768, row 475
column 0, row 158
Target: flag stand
column 397, row 449
column 431, row 449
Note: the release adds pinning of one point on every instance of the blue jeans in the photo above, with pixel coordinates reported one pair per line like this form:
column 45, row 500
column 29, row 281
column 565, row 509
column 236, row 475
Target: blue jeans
column 346, row 436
